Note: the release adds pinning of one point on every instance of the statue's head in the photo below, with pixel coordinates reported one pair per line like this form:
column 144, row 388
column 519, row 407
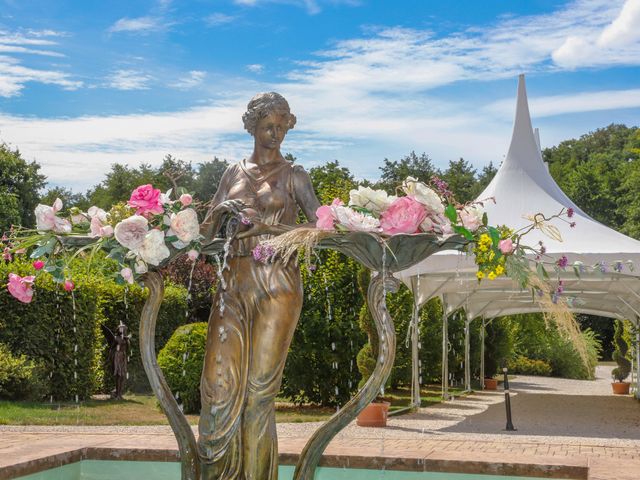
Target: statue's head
column 264, row 104
column 122, row 330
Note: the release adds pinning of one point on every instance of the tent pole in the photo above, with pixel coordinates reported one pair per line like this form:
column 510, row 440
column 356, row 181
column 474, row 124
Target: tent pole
column 637, row 394
column 467, row 352
column 482, row 330
column 415, row 360
column 445, row 352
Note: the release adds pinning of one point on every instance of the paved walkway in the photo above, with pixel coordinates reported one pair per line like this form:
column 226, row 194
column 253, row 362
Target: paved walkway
column 565, row 427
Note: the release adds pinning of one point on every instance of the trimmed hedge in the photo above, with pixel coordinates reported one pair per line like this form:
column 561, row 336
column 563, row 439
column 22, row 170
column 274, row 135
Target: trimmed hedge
column 62, row 332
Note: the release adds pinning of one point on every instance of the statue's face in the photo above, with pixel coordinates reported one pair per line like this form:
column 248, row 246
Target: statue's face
column 271, row 130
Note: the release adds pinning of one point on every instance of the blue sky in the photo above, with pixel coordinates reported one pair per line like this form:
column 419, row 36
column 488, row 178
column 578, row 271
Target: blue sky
column 84, row 84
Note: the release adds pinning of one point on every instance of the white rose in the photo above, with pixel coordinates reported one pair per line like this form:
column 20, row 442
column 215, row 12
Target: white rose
column 356, row 221
column 185, row 226
column 97, row 212
column 46, row 218
column 153, row 249
column 130, row 232
column 376, row 201
column 471, row 217
column 423, row 194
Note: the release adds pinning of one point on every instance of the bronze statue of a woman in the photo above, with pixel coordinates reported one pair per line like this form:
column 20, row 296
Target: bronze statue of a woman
column 257, row 305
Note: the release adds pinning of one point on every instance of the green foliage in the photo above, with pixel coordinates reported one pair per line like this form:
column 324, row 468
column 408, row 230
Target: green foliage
column 20, row 378
column 181, row 362
column 20, row 183
column 500, row 339
column 209, row 175
column 527, row 366
column 620, row 353
column 395, row 172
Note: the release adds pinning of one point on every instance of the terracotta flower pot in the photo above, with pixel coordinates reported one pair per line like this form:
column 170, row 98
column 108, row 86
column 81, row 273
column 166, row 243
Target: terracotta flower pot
column 621, row 388
column 490, row 384
column 374, row 415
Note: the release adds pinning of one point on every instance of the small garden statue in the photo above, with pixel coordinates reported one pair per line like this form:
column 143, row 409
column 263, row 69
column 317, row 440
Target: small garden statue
column 117, row 357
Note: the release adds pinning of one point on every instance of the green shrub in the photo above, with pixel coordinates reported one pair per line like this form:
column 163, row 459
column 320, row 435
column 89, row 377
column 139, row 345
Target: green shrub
column 500, row 340
column 527, row 366
column 181, row 362
column 20, row 378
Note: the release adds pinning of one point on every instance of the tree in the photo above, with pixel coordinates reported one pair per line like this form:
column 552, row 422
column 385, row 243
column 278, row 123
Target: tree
column 208, row 178
column 461, row 177
column 20, row 184
column 68, row 197
column 395, row 172
column 485, row 177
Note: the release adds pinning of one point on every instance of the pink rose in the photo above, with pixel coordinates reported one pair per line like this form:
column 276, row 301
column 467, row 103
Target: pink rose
column 404, row 215
column 100, row 230
column 38, row 264
column 506, row 246
column 326, row 215
column 68, row 285
column 20, row 287
column 193, row 255
column 127, row 274
column 186, row 199
column 146, row 200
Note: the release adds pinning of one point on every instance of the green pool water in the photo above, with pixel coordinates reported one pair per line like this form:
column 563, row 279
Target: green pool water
column 110, row 470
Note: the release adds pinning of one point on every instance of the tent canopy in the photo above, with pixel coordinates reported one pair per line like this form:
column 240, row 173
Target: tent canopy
column 523, row 186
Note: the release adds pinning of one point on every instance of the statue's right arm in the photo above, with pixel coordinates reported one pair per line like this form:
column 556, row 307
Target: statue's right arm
column 219, row 205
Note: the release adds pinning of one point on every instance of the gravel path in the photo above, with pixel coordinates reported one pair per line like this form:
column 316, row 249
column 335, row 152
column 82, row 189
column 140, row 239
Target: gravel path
column 545, row 410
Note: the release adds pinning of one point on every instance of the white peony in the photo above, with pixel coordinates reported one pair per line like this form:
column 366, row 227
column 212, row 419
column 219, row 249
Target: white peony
column 471, row 217
column 97, row 212
column 423, row 194
column 356, row 221
column 131, row 232
column 376, row 201
column 153, row 249
column 185, row 226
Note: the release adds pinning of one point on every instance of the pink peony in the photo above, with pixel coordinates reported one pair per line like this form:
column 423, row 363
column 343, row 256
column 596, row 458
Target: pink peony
column 193, row 255
column 403, row 216
column 506, row 246
column 68, row 285
column 185, row 226
column 21, row 287
column 127, row 274
column 326, row 215
column 38, row 264
column 146, row 200
column 471, row 217
column 186, row 199
column 355, row 221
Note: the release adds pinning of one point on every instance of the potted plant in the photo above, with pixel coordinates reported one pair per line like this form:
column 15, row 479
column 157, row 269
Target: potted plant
column 375, row 414
column 621, row 372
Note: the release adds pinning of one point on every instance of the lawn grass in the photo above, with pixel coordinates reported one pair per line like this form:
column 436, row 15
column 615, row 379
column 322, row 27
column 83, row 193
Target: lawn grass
column 143, row 410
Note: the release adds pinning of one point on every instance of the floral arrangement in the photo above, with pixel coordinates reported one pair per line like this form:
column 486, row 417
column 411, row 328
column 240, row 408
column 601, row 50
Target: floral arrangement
column 139, row 235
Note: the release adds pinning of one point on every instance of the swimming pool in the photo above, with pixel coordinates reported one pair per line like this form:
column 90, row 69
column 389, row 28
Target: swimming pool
column 128, row 470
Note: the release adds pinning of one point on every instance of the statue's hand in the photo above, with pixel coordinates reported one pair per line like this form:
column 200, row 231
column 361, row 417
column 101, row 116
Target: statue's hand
column 257, row 228
column 228, row 206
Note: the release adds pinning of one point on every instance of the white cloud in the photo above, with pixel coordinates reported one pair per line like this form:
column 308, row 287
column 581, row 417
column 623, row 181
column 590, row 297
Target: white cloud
column 14, row 74
column 255, row 68
column 217, row 19
column 139, row 25
column 193, row 79
column 616, row 41
column 128, row 80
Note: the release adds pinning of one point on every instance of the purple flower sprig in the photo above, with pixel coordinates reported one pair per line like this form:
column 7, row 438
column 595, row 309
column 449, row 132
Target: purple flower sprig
column 263, row 253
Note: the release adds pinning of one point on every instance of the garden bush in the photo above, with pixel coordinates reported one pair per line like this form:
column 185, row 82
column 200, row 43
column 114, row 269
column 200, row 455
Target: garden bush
column 181, row 361
column 20, row 378
column 621, row 372
column 527, row 366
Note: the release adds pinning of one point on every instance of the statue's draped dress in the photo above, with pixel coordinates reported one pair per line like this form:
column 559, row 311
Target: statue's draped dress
column 250, row 328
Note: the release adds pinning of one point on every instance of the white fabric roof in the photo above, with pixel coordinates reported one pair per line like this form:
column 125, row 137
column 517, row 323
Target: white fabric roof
column 524, row 186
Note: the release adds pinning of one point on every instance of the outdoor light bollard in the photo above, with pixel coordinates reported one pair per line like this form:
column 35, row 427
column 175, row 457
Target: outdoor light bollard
column 507, row 402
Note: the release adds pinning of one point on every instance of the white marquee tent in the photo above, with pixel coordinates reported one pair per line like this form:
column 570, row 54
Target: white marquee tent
column 608, row 285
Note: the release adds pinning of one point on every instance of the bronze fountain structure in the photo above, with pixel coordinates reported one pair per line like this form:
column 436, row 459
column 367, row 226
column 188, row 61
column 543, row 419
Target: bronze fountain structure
column 258, row 198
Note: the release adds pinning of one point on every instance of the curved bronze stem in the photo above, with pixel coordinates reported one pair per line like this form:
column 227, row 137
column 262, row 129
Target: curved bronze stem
column 313, row 450
column 177, row 420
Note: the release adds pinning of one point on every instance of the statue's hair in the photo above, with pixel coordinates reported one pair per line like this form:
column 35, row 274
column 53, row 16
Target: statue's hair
column 264, row 104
